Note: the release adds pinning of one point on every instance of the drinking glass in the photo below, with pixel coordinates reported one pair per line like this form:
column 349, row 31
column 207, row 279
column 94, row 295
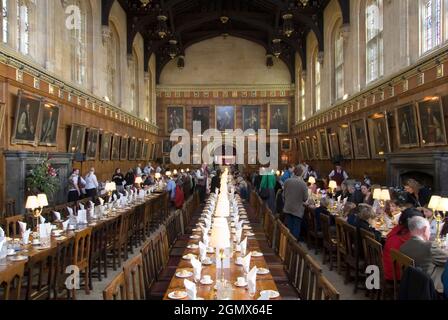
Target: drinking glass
column 252, row 290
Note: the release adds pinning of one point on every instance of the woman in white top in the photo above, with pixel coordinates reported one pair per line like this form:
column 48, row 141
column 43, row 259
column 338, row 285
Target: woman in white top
column 91, row 184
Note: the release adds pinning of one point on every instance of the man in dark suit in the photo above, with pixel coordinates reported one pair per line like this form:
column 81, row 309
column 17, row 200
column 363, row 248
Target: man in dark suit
column 426, row 254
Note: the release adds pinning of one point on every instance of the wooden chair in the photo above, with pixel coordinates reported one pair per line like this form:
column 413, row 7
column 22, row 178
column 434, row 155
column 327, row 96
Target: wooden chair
column 81, row 256
column 12, row 226
column 112, row 247
column 116, row 290
column 313, row 235
column 341, row 242
column 400, row 262
column 311, row 273
column 325, row 290
column 11, row 282
column 352, row 261
column 64, row 258
column 134, row 279
column 39, row 275
column 329, row 243
column 10, row 208
column 149, row 271
column 98, row 252
column 298, row 270
column 373, row 254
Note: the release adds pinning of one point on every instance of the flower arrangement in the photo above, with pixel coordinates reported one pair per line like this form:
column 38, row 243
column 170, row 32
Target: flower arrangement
column 43, row 178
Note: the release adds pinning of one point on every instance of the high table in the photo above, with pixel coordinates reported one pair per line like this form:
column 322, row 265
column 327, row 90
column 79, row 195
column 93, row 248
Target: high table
column 208, row 292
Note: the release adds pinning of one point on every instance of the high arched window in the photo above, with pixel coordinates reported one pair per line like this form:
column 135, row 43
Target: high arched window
column 134, row 83
column 5, row 20
column 431, row 24
column 317, row 82
column 113, row 65
column 338, row 65
column 374, row 39
column 23, row 27
column 79, row 46
column 302, row 97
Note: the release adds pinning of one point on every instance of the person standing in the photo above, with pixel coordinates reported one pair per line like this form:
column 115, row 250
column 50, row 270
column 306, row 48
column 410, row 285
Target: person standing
column 267, row 188
column 138, row 170
column 130, row 178
column 295, row 194
column 201, row 185
column 118, row 178
column 338, row 174
column 74, row 186
column 91, row 184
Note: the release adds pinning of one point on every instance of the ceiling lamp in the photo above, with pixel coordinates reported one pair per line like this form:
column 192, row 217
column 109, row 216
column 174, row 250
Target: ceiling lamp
column 276, row 47
column 181, row 62
column 288, row 24
column 224, row 19
column 303, row 2
column 162, row 28
column 269, row 61
column 172, row 49
column 145, row 2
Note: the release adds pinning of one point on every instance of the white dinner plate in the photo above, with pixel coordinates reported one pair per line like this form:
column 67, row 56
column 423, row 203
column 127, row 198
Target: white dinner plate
column 240, row 286
column 262, row 271
column 181, row 275
column 272, row 294
column 18, row 258
column 205, row 282
column 177, row 295
column 256, row 254
column 195, row 237
column 192, row 246
column 188, row 256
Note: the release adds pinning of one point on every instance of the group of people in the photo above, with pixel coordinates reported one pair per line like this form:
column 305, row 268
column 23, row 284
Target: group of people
column 412, row 223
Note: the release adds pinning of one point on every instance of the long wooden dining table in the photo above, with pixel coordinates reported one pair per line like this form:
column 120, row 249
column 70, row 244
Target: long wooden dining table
column 208, row 292
column 30, row 250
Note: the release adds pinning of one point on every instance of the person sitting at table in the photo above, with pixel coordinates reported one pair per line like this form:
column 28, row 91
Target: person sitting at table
column 348, row 206
column 355, row 195
column 352, row 216
column 322, row 209
column 416, row 194
column 367, row 194
column 342, row 191
column 149, row 181
column 366, row 218
column 392, row 210
column 426, row 254
column 395, row 239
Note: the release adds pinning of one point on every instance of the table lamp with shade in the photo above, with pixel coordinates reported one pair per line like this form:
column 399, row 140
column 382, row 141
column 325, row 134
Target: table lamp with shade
column 332, row 185
column 312, row 180
column 434, row 203
column 168, row 174
column 138, row 182
column 220, row 240
column 442, row 207
column 36, row 205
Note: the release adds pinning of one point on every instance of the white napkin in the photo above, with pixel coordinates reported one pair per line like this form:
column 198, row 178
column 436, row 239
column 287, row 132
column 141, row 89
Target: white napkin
column 101, row 201
column 45, row 230
column 81, row 206
column 208, row 223
column 243, row 245
column 141, row 194
column 82, row 217
column 239, row 233
column 2, row 233
column 339, row 199
column 2, row 243
column 239, row 225
column 126, row 192
column 92, row 205
column 252, row 279
column 26, row 236
column 110, row 199
column 65, row 224
column 246, row 262
column 42, row 220
column 191, row 289
column 22, row 226
column 206, row 239
column 57, row 215
column 264, row 295
column 202, row 250
column 197, row 267
column 115, row 197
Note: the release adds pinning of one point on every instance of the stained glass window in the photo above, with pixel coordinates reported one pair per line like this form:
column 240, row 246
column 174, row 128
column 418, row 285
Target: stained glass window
column 23, row 30
column 431, row 15
column 374, row 39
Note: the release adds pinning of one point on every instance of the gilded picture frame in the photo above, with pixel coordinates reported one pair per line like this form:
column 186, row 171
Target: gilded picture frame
column 431, row 121
column 124, row 148
column 116, row 144
column 279, row 117
column 224, row 120
column 378, row 126
column 77, row 138
column 361, row 146
column 49, row 124
column 324, row 148
column 406, row 126
column 175, row 118
column 27, row 119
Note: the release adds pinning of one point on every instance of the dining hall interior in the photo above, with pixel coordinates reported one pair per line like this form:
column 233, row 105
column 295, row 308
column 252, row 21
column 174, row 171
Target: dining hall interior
column 223, row 150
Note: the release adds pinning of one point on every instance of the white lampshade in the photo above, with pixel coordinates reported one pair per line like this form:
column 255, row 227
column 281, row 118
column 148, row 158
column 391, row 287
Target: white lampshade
column 312, row 180
column 182, row 170
column 434, row 202
column 443, row 205
column 278, row 173
column 42, row 200
column 158, row 175
column 188, row 169
column 138, row 180
column 175, row 172
column 377, row 194
column 385, row 195
column 168, row 173
column 332, row 184
column 220, row 237
column 32, row 202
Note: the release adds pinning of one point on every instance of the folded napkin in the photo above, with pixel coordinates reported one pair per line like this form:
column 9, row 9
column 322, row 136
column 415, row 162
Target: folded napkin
column 239, row 225
column 2, row 233
column 22, row 226
column 141, row 194
column 81, row 206
column 265, row 295
column 252, row 279
column 239, row 233
column 197, row 268
column 65, row 224
column 246, row 262
column 91, row 213
column 42, row 220
column 45, row 230
column 26, row 236
column 101, row 200
column 92, row 205
column 57, row 215
column 70, row 211
column 3, row 253
column 82, row 217
column 243, row 246
column 202, row 250
column 191, row 289
column 339, row 199
column 115, row 197
column 208, row 223
column 206, row 239
column 110, row 199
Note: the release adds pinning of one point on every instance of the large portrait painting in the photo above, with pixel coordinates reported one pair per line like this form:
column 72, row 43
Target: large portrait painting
column 315, row 146
column 49, row 123
column 2, row 117
column 278, row 118
column 175, row 118
column 345, row 141
column 124, row 147
column 309, row 148
column 360, row 139
column 115, row 148
column 92, row 144
column 26, row 120
column 225, row 118
column 152, row 151
column 106, row 143
column 406, row 122
column 202, row 115
column 324, row 151
column 334, row 144
column 286, row 144
column 77, row 138
column 303, row 150
column 132, row 145
column 432, row 122
column 251, row 118
column 139, row 149
column 167, row 145
column 145, row 151
column 379, row 135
